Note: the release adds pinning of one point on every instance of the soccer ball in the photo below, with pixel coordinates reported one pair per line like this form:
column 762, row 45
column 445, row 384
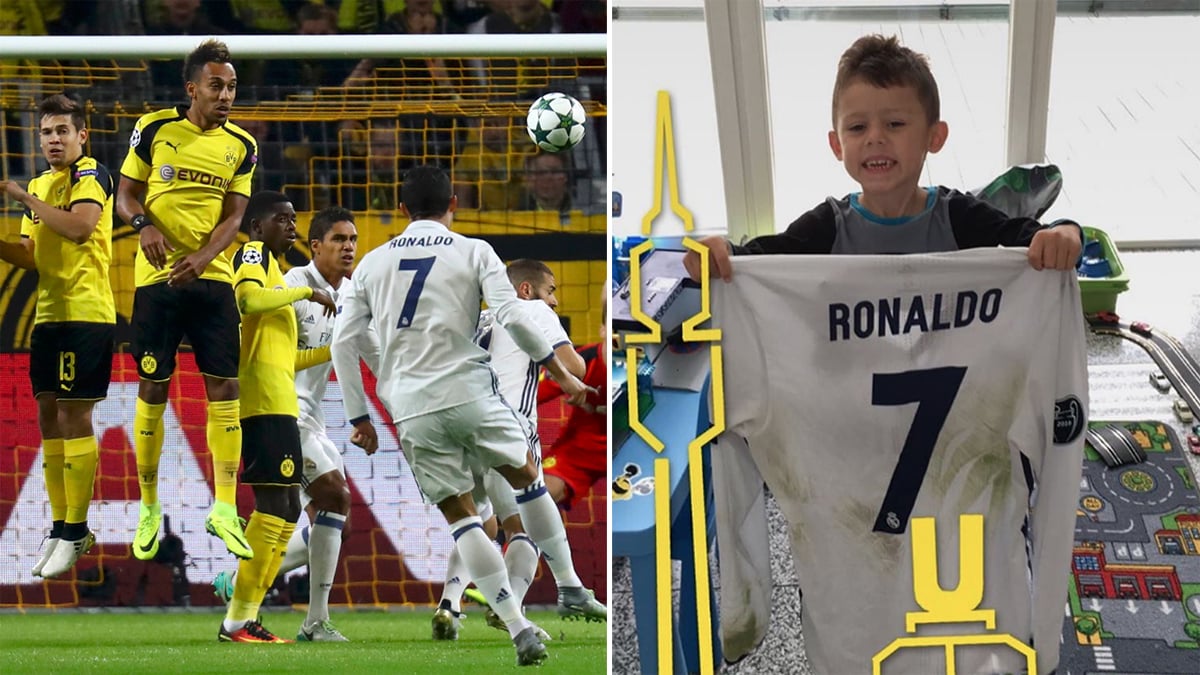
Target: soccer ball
column 555, row 122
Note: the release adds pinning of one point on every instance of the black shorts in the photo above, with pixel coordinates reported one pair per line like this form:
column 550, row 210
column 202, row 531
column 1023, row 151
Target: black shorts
column 271, row 450
column 205, row 311
column 71, row 359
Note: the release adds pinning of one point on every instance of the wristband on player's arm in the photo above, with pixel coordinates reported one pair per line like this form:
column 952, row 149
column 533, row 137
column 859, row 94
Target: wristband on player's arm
column 140, row 222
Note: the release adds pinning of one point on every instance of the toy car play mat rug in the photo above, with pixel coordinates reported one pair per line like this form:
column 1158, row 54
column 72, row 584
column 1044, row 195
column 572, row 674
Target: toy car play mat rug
column 1135, row 574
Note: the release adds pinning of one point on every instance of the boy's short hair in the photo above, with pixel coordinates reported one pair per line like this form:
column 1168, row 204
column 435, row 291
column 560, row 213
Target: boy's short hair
column 884, row 62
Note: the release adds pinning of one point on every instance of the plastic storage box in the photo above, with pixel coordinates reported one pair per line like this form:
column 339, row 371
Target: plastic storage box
column 1100, row 295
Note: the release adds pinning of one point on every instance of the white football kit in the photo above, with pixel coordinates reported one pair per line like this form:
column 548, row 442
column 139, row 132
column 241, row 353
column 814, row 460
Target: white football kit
column 518, row 378
column 872, row 390
column 423, row 289
column 316, row 330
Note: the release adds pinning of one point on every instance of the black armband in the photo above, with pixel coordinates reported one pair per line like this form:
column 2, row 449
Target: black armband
column 139, row 222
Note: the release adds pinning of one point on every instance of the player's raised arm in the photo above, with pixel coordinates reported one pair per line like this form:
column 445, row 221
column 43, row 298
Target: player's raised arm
column 76, row 225
column 571, row 359
column 250, row 282
column 314, row 356
column 508, row 309
column 499, row 294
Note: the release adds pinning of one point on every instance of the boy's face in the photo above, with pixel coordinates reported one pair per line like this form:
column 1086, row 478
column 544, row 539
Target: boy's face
column 882, row 137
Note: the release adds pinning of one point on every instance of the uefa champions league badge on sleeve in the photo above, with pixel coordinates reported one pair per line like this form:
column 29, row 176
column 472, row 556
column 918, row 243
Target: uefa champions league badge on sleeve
column 616, row 204
column 1069, row 420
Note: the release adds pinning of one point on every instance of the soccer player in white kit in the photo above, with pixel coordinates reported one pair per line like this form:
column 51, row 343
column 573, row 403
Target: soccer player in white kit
column 517, row 373
column 423, row 289
column 333, row 238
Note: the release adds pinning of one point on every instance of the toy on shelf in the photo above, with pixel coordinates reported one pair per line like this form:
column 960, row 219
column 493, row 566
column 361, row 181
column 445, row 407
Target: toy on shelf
column 1101, row 275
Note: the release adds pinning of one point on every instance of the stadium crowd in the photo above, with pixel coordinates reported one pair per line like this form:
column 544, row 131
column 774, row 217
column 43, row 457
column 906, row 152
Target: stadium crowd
column 351, row 161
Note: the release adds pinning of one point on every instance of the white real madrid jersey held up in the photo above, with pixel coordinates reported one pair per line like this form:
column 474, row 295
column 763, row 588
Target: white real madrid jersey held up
column 517, row 373
column 423, row 289
column 872, row 390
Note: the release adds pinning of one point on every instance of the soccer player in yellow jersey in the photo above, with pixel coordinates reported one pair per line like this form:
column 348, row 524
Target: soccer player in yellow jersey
column 271, row 448
column 186, row 182
column 67, row 237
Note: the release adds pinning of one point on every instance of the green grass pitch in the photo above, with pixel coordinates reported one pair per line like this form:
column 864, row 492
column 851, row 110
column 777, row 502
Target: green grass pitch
column 382, row 642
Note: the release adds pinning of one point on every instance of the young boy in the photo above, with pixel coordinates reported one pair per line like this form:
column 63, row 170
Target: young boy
column 886, row 118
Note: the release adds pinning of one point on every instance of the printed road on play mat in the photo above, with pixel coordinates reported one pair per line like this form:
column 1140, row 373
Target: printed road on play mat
column 1135, row 574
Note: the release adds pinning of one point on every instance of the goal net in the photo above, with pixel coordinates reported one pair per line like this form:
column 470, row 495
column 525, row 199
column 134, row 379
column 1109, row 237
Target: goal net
column 341, row 130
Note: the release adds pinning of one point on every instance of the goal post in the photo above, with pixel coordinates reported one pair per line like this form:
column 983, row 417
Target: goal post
column 304, row 46
column 324, row 138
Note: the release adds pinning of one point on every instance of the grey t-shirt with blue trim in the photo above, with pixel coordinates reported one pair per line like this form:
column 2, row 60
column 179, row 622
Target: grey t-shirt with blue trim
column 951, row 221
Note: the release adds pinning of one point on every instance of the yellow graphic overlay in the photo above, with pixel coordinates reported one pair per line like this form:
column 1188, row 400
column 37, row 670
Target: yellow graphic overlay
column 635, row 298
column 690, row 332
column 960, row 605
column 631, row 353
column 940, row 605
column 696, row 479
column 635, row 422
column 665, row 147
column 662, row 554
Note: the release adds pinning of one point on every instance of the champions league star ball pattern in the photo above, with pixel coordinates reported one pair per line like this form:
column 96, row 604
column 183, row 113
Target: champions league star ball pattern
column 555, row 122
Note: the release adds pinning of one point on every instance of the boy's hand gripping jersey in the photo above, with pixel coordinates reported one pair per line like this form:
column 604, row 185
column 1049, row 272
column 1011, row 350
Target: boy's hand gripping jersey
column 872, row 390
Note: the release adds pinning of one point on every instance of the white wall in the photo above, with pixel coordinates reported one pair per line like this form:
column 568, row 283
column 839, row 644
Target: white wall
column 968, row 59
column 645, row 57
column 1122, row 122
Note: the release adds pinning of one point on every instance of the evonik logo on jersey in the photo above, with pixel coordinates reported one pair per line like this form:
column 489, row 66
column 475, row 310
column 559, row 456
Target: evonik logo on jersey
column 169, row 173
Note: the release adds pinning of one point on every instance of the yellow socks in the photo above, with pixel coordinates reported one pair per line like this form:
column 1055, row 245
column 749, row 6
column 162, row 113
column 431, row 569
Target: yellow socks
column 52, row 469
column 254, row 577
column 79, row 475
column 147, row 446
column 225, row 443
column 277, row 554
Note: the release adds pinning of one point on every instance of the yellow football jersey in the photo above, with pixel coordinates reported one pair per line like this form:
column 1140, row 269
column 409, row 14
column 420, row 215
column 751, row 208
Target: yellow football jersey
column 188, row 172
column 267, row 365
column 73, row 283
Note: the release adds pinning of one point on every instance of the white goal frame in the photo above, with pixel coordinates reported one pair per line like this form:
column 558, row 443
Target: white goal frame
column 301, row 46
